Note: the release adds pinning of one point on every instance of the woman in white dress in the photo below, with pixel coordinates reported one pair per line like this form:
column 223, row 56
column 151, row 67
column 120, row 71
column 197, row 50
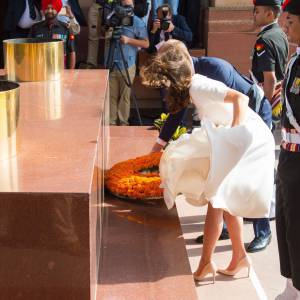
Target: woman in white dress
column 227, row 163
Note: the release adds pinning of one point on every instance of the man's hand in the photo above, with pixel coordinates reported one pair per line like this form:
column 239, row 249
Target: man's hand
column 125, row 39
column 171, row 27
column 269, row 84
column 69, row 12
column 155, row 26
column 134, row 42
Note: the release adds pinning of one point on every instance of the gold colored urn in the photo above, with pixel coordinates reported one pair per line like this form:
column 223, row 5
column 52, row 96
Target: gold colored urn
column 9, row 115
column 33, row 59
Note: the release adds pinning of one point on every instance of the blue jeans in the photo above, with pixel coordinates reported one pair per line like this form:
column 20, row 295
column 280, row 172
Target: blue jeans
column 157, row 3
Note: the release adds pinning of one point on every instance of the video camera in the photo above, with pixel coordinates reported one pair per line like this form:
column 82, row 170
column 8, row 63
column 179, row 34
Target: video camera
column 165, row 21
column 115, row 14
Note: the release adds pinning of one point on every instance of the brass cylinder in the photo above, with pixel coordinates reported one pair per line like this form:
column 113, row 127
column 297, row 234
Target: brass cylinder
column 9, row 116
column 50, row 101
column 33, row 59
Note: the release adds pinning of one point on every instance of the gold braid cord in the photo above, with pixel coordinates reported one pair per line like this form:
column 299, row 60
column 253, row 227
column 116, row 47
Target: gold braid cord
column 127, row 179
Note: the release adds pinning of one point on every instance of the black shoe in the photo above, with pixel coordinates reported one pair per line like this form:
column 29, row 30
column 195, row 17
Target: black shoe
column 259, row 243
column 223, row 236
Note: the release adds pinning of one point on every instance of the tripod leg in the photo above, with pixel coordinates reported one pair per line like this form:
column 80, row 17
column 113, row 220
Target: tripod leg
column 136, row 107
column 109, row 64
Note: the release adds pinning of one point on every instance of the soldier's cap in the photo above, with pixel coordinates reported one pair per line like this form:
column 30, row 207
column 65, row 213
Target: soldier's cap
column 267, row 2
column 292, row 7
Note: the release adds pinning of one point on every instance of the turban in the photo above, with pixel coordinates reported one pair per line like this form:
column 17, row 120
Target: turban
column 56, row 4
column 293, row 7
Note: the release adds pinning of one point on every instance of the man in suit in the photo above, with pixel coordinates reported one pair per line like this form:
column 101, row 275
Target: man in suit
column 20, row 16
column 221, row 70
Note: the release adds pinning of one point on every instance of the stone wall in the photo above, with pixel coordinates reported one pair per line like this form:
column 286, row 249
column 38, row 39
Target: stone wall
column 231, row 3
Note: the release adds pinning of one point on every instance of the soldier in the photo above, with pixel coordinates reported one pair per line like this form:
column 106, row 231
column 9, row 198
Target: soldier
column 51, row 28
column 288, row 175
column 268, row 65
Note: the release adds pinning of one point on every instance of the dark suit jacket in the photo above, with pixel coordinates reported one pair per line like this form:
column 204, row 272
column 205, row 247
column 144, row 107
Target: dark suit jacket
column 182, row 32
column 15, row 10
column 223, row 71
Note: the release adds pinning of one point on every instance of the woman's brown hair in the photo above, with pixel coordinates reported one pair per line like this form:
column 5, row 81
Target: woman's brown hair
column 171, row 69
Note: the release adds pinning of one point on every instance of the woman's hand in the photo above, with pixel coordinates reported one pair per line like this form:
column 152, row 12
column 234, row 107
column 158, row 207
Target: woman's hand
column 240, row 106
column 156, row 148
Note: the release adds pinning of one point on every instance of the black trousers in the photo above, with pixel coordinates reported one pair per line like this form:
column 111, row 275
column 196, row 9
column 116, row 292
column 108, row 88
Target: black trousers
column 288, row 215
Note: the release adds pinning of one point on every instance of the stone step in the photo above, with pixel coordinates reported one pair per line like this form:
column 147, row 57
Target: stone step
column 143, row 256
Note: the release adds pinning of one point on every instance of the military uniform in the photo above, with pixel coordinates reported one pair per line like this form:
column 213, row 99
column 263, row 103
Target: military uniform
column 57, row 30
column 270, row 54
column 288, row 176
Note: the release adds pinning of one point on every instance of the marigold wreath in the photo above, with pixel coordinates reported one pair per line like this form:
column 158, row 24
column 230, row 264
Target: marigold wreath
column 136, row 178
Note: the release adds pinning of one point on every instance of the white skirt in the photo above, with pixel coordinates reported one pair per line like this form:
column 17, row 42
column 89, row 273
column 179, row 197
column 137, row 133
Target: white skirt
column 232, row 168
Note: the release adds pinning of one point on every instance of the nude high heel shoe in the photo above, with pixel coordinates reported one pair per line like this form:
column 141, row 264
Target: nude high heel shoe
column 244, row 263
column 210, row 268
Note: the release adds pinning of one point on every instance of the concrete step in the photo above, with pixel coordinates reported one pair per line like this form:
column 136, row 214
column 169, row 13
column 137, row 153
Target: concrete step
column 143, row 256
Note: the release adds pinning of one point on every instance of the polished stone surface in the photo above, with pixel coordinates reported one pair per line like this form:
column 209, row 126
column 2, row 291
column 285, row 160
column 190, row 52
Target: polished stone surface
column 51, row 192
column 57, row 134
column 143, row 255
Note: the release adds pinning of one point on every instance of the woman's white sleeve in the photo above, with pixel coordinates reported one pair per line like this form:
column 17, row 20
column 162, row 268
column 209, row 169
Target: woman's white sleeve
column 206, row 89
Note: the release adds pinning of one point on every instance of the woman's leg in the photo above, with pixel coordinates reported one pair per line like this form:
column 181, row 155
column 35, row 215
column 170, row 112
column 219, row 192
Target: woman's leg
column 235, row 228
column 212, row 230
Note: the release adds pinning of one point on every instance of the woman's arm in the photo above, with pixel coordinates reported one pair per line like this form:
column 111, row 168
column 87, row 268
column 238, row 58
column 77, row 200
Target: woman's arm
column 240, row 105
column 168, row 129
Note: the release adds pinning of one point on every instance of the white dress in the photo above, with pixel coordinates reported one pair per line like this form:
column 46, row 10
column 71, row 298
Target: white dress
column 230, row 167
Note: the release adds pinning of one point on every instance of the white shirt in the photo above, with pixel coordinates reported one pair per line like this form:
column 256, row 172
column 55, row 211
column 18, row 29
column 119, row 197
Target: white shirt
column 264, row 27
column 25, row 21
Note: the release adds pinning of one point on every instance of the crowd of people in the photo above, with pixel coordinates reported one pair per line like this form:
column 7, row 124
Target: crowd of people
column 150, row 24
column 213, row 85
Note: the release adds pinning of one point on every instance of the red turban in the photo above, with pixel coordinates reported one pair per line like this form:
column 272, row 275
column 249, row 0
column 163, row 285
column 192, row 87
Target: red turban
column 56, row 4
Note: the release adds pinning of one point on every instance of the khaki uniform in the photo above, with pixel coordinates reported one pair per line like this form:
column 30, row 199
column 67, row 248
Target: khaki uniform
column 120, row 96
column 94, row 23
column 95, row 34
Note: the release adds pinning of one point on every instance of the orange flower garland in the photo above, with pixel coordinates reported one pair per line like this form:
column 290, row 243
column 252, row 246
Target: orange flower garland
column 127, row 180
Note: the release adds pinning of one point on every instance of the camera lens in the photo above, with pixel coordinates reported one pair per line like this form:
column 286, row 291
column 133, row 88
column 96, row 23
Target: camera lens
column 127, row 21
column 165, row 24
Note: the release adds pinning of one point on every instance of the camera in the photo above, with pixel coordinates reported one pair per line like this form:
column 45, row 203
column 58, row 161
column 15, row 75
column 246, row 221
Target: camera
column 115, row 14
column 165, row 21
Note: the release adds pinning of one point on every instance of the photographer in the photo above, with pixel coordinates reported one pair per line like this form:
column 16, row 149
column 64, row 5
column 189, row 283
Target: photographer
column 131, row 38
column 168, row 26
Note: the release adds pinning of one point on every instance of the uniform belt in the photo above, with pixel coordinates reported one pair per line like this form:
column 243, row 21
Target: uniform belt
column 289, row 137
